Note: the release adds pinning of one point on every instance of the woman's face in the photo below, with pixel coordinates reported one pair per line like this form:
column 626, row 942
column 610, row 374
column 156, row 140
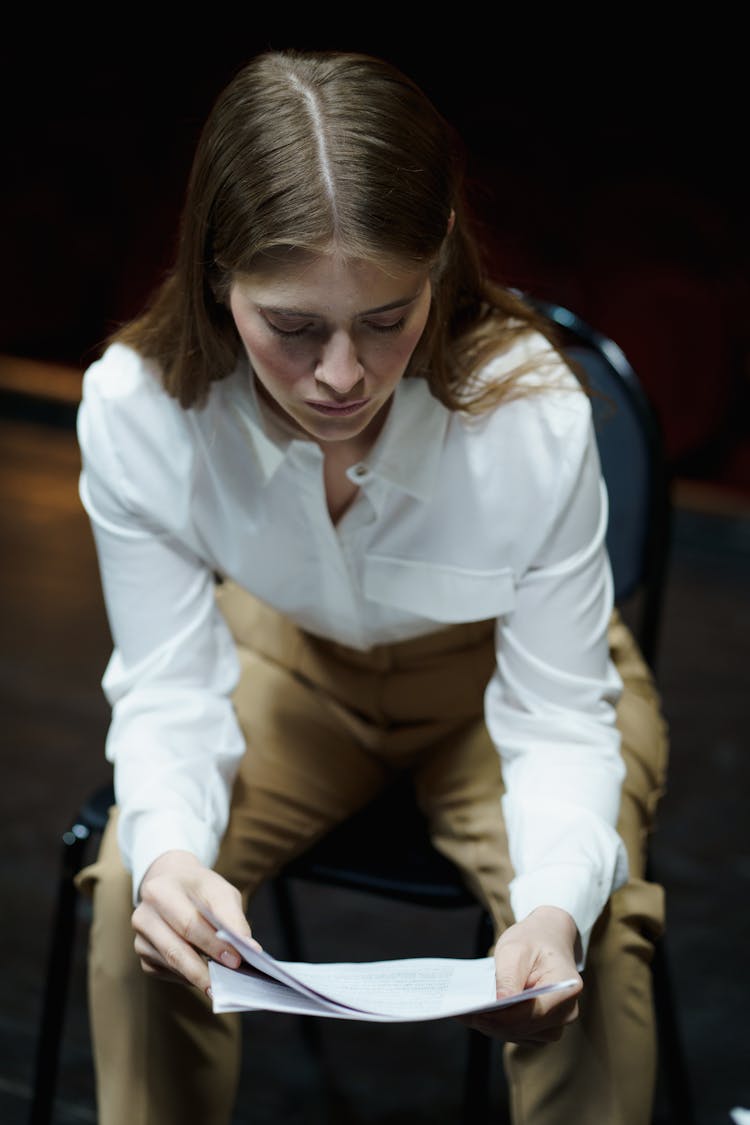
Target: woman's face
column 329, row 338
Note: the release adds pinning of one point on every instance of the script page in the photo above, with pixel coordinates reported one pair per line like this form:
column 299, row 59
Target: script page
column 409, row 989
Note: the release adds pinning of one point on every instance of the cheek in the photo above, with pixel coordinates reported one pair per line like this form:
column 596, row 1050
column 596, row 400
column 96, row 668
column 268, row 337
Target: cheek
column 414, row 337
column 269, row 357
column 402, row 347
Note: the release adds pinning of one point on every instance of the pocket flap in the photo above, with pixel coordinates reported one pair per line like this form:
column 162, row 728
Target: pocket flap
column 447, row 594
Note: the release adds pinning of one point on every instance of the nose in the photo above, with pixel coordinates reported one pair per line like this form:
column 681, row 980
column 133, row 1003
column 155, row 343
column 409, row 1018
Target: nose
column 338, row 366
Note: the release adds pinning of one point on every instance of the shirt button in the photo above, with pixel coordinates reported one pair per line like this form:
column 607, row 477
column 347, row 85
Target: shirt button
column 361, row 471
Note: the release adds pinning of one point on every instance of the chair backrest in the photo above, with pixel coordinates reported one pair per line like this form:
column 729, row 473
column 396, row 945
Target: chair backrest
column 633, row 464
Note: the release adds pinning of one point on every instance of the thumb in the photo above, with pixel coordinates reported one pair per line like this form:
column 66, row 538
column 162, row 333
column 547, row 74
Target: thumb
column 511, row 971
column 225, row 912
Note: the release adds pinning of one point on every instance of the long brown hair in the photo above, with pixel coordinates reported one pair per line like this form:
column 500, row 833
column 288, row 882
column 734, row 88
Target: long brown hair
column 310, row 151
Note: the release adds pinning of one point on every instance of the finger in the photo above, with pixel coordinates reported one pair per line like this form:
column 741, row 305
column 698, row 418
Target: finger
column 201, row 935
column 511, row 970
column 538, row 1015
column 527, row 1021
column 180, row 914
column 219, row 905
column 163, row 948
column 152, row 964
column 528, row 1036
column 543, row 1012
column 149, row 956
column 543, row 1019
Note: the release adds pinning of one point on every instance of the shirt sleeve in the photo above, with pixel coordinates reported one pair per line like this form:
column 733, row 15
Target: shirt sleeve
column 550, row 705
column 173, row 739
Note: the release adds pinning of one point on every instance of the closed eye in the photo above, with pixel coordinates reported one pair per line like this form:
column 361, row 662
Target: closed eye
column 290, row 331
column 288, row 326
column 393, row 326
column 294, row 327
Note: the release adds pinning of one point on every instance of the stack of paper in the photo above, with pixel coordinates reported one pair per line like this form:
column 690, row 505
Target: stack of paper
column 422, row 988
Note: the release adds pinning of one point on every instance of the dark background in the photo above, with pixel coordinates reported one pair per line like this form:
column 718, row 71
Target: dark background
column 607, row 160
column 607, row 168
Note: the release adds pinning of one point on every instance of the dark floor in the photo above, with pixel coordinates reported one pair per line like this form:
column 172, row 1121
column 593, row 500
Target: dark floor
column 55, row 644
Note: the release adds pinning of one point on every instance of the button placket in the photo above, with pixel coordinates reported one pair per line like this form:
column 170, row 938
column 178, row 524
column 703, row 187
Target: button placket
column 338, row 590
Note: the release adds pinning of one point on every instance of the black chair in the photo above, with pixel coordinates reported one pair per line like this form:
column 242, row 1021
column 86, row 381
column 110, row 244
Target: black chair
column 411, row 870
column 86, row 827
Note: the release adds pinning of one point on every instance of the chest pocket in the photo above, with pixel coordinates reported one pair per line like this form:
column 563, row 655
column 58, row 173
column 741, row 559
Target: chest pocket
column 441, row 593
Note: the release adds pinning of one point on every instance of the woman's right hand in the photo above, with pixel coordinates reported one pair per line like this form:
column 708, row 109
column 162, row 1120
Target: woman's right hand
column 173, row 937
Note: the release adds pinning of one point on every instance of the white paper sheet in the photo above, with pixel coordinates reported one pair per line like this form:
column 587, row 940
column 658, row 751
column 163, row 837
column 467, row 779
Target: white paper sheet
column 408, row 990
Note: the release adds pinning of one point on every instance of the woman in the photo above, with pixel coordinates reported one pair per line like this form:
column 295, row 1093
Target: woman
column 387, row 464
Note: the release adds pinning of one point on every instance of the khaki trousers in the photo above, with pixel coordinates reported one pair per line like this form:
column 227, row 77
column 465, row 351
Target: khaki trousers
column 326, row 727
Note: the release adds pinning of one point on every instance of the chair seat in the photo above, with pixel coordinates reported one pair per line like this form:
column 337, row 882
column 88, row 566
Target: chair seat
column 399, row 864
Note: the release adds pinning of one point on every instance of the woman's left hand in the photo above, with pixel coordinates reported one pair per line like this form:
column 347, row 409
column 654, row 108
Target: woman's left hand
column 539, row 950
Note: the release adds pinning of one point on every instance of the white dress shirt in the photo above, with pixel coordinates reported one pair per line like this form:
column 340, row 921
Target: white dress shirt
column 457, row 518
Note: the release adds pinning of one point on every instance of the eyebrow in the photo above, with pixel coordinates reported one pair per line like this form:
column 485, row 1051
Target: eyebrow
column 399, row 303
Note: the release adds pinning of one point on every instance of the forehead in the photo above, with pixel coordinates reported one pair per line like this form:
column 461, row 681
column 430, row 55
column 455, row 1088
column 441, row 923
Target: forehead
column 328, row 280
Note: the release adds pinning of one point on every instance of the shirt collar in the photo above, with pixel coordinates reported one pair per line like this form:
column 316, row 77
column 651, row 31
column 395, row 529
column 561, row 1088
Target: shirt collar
column 269, row 441
column 406, row 453
column 408, row 450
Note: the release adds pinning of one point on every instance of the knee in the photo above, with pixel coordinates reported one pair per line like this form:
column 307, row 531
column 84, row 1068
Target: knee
column 111, row 936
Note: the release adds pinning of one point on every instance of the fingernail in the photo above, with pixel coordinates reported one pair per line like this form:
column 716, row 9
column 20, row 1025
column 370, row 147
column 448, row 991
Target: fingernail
column 209, row 994
column 230, row 958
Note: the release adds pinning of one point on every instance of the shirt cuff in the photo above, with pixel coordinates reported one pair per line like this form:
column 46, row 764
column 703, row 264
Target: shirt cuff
column 146, row 836
column 571, row 889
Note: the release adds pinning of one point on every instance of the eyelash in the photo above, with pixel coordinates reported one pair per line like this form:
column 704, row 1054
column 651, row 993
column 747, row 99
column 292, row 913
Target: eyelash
column 309, row 328
column 395, row 327
column 288, row 331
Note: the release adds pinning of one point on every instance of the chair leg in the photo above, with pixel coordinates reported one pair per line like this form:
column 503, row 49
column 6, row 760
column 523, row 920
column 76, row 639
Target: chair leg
column 476, row 1103
column 287, row 917
column 290, row 930
column 671, row 1052
column 477, row 1082
column 57, row 979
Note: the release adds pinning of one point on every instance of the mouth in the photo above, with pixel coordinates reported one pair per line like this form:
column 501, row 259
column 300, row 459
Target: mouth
column 338, row 410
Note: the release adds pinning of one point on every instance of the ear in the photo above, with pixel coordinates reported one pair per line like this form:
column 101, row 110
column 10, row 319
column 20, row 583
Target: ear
column 451, row 222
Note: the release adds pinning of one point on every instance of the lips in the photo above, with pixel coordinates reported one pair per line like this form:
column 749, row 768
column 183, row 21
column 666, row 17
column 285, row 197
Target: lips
column 338, row 410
